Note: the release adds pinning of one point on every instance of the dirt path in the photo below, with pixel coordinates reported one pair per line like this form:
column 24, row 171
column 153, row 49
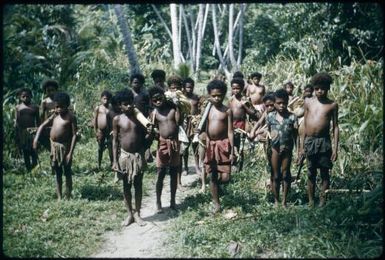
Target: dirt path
column 146, row 241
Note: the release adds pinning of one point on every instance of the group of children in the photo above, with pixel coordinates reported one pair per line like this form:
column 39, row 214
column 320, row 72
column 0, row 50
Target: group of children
column 130, row 120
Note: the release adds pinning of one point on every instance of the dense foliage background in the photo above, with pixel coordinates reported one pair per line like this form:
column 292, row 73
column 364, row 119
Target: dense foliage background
column 82, row 47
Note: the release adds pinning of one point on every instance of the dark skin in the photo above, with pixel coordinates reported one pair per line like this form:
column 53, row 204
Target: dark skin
column 141, row 99
column 308, row 93
column 64, row 129
column 131, row 135
column 220, row 126
column 280, row 162
column 194, row 101
column 101, row 126
column 27, row 116
column 165, row 119
column 47, row 108
column 255, row 91
column 239, row 108
column 319, row 111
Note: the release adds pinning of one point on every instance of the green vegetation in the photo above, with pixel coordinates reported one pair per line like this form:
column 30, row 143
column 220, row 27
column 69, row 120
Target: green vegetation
column 82, row 48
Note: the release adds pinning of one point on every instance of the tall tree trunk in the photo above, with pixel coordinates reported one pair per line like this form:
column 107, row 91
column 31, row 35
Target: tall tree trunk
column 180, row 32
column 188, row 34
column 217, row 44
column 230, row 38
column 129, row 47
column 193, row 31
column 175, row 40
column 200, row 38
column 240, row 43
column 162, row 21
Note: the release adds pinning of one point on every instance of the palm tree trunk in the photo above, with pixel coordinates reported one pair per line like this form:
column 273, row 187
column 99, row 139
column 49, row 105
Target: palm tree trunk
column 175, row 40
column 129, row 47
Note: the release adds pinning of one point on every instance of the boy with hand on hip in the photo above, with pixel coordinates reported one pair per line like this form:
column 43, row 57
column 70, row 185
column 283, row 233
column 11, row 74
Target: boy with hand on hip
column 63, row 139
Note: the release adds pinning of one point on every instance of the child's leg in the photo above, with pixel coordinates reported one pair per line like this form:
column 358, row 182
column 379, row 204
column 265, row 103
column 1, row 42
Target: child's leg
column 27, row 161
column 100, row 147
column 59, row 181
column 276, row 166
column 127, row 200
column 159, row 186
column 138, row 181
column 201, row 156
column 185, row 159
column 173, row 185
column 286, row 176
column 109, row 147
column 214, row 182
column 325, row 176
column 311, row 183
column 68, row 175
column 34, row 158
column 196, row 157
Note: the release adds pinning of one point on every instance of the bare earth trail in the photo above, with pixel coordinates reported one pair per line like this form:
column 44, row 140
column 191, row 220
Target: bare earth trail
column 146, row 241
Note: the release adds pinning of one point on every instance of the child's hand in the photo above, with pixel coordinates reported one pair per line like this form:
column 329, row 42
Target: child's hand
column 115, row 167
column 34, row 145
column 334, row 156
column 232, row 159
column 68, row 158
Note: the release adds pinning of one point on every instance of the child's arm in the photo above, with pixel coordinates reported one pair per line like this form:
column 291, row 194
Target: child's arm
column 37, row 116
column 74, row 128
column 95, row 121
column 42, row 109
column 177, row 117
column 336, row 133
column 250, row 110
column 40, row 129
column 115, row 134
column 257, row 125
column 230, row 133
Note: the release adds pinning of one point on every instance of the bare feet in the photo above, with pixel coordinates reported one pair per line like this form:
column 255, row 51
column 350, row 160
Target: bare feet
column 159, row 208
column 139, row 220
column 217, row 209
column 311, row 204
column 184, row 173
column 276, row 204
column 173, row 206
column 129, row 220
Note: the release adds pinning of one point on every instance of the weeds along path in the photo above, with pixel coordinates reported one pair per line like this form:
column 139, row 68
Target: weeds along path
column 146, row 241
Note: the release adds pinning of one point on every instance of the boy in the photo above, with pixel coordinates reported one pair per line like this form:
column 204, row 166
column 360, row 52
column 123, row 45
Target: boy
column 256, row 92
column 63, row 140
column 240, row 107
column 190, row 123
column 219, row 140
column 165, row 117
column 283, row 127
column 159, row 77
column 27, row 119
column 141, row 102
column 260, row 133
column 131, row 136
column 289, row 87
column 319, row 111
column 47, row 108
column 141, row 98
column 101, row 128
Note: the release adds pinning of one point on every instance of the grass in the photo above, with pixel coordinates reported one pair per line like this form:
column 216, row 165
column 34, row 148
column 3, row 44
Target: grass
column 348, row 226
column 36, row 225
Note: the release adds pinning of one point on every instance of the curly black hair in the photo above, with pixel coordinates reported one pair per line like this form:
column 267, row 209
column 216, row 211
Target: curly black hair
column 281, row 93
column 24, row 90
column 321, row 79
column 49, row 82
column 188, row 80
column 124, row 95
column 62, row 98
column 256, row 75
column 138, row 76
column 238, row 81
column 155, row 90
column 238, row 74
column 308, row 86
column 158, row 74
column 106, row 93
column 269, row 96
column 217, row 84
column 289, row 83
column 174, row 80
